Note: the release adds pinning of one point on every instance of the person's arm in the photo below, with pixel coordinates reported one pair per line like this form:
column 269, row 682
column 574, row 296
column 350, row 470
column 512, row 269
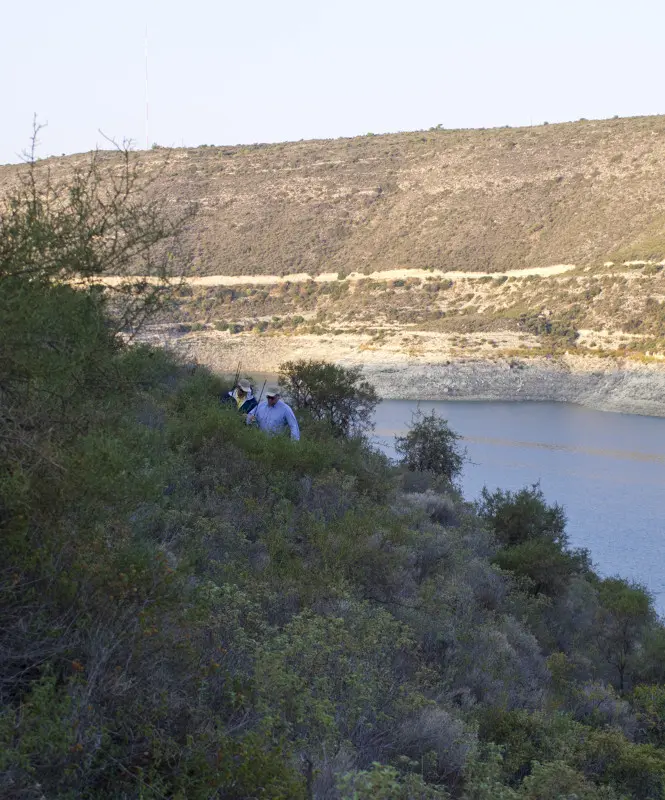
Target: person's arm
column 256, row 413
column 292, row 422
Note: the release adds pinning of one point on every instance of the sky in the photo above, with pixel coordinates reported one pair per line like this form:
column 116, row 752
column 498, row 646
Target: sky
column 228, row 73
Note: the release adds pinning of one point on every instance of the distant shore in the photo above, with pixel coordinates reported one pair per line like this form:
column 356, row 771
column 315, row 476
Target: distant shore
column 605, row 384
column 629, row 391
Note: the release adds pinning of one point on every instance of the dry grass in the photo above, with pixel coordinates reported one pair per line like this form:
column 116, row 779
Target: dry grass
column 479, row 200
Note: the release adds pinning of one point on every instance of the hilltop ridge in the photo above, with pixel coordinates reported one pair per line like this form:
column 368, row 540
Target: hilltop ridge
column 474, row 200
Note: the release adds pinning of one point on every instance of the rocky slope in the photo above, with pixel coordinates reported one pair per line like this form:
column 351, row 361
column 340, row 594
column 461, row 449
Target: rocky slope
column 604, row 383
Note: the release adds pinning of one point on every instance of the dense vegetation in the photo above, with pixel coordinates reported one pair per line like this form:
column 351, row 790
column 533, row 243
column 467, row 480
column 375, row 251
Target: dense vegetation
column 190, row 609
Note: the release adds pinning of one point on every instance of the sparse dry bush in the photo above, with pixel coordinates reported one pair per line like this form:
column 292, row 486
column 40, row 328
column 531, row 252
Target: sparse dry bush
column 597, row 705
column 445, row 741
column 442, row 509
column 431, row 446
column 102, row 220
column 499, row 665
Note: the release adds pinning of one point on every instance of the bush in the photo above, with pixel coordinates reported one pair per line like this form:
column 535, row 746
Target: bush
column 560, row 331
column 431, row 446
column 649, row 705
column 557, row 780
column 382, row 782
column 533, row 535
column 517, row 517
column 636, row 770
column 330, row 393
column 544, row 565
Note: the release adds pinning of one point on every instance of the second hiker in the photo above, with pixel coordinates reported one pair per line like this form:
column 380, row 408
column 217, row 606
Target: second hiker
column 243, row 396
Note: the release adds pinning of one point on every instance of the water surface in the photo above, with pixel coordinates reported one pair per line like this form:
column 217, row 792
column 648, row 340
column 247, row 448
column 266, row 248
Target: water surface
column 607, row 470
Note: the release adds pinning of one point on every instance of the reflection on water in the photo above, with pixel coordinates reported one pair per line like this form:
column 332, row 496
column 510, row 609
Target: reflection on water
column 607, row 470
column 593, row 451
column 633, row 455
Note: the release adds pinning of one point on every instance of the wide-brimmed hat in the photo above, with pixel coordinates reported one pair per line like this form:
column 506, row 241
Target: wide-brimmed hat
column 245, row 386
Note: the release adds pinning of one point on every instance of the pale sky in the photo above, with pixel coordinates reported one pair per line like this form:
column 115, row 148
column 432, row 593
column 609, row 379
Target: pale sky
column 230, row 73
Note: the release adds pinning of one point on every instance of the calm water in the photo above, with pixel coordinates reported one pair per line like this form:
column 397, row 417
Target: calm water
column 607, row 470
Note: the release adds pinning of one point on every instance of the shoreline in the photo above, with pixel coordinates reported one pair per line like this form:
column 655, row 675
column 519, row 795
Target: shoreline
column 625, row 392
column 603, row 384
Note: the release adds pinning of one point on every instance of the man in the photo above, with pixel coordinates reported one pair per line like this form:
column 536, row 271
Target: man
column 273, row 415
column 242, row 396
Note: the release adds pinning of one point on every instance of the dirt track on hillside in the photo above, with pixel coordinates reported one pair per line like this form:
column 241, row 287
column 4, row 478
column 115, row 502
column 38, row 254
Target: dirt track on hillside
column 329, row 277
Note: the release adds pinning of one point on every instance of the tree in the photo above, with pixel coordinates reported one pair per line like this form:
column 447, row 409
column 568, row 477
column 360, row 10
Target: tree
column 431, row 446
column 533, row 538
column 100, row 226
column 330, row 393
column 625, row 616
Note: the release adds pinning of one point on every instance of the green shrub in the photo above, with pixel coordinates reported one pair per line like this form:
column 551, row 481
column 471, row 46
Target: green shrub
column 383, row 782
column 517, row 517
column 556, row 780
column 330, row 393
column 543, row 565
column 648, row 703
column 559, row 329
column 528, row 737
column 636, row 769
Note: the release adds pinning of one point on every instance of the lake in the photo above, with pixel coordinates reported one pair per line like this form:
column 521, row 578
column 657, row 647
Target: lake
column 607, row 470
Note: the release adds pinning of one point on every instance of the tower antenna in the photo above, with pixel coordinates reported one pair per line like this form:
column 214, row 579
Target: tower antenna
column 147, row 139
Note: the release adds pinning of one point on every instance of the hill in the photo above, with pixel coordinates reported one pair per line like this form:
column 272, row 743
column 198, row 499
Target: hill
column 477, row 200
column 495, row 264
column 192, row 609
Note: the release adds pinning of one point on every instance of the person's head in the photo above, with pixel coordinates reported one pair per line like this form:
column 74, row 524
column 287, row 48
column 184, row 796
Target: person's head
column 244, row 387
column 272, row 397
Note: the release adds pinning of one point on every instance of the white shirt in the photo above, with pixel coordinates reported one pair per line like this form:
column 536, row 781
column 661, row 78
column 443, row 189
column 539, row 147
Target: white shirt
column 274, row 419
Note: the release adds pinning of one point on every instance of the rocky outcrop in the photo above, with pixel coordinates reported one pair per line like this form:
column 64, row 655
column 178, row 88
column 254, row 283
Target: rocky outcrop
column 632, row 390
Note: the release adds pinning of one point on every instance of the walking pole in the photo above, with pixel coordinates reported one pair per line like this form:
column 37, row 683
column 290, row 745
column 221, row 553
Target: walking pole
column 262, row 388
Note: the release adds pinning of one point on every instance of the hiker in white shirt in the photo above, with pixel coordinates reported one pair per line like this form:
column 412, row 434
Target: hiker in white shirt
column 274, row 416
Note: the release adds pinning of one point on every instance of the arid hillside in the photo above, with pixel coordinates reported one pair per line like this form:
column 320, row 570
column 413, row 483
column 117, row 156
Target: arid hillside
column 477, row 200
column 489, row 264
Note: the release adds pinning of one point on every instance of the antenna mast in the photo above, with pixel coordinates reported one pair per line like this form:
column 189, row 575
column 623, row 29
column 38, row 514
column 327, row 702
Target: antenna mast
column 147, row 139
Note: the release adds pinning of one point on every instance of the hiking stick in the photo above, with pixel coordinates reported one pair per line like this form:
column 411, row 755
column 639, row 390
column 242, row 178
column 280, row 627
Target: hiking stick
column 262, row 388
